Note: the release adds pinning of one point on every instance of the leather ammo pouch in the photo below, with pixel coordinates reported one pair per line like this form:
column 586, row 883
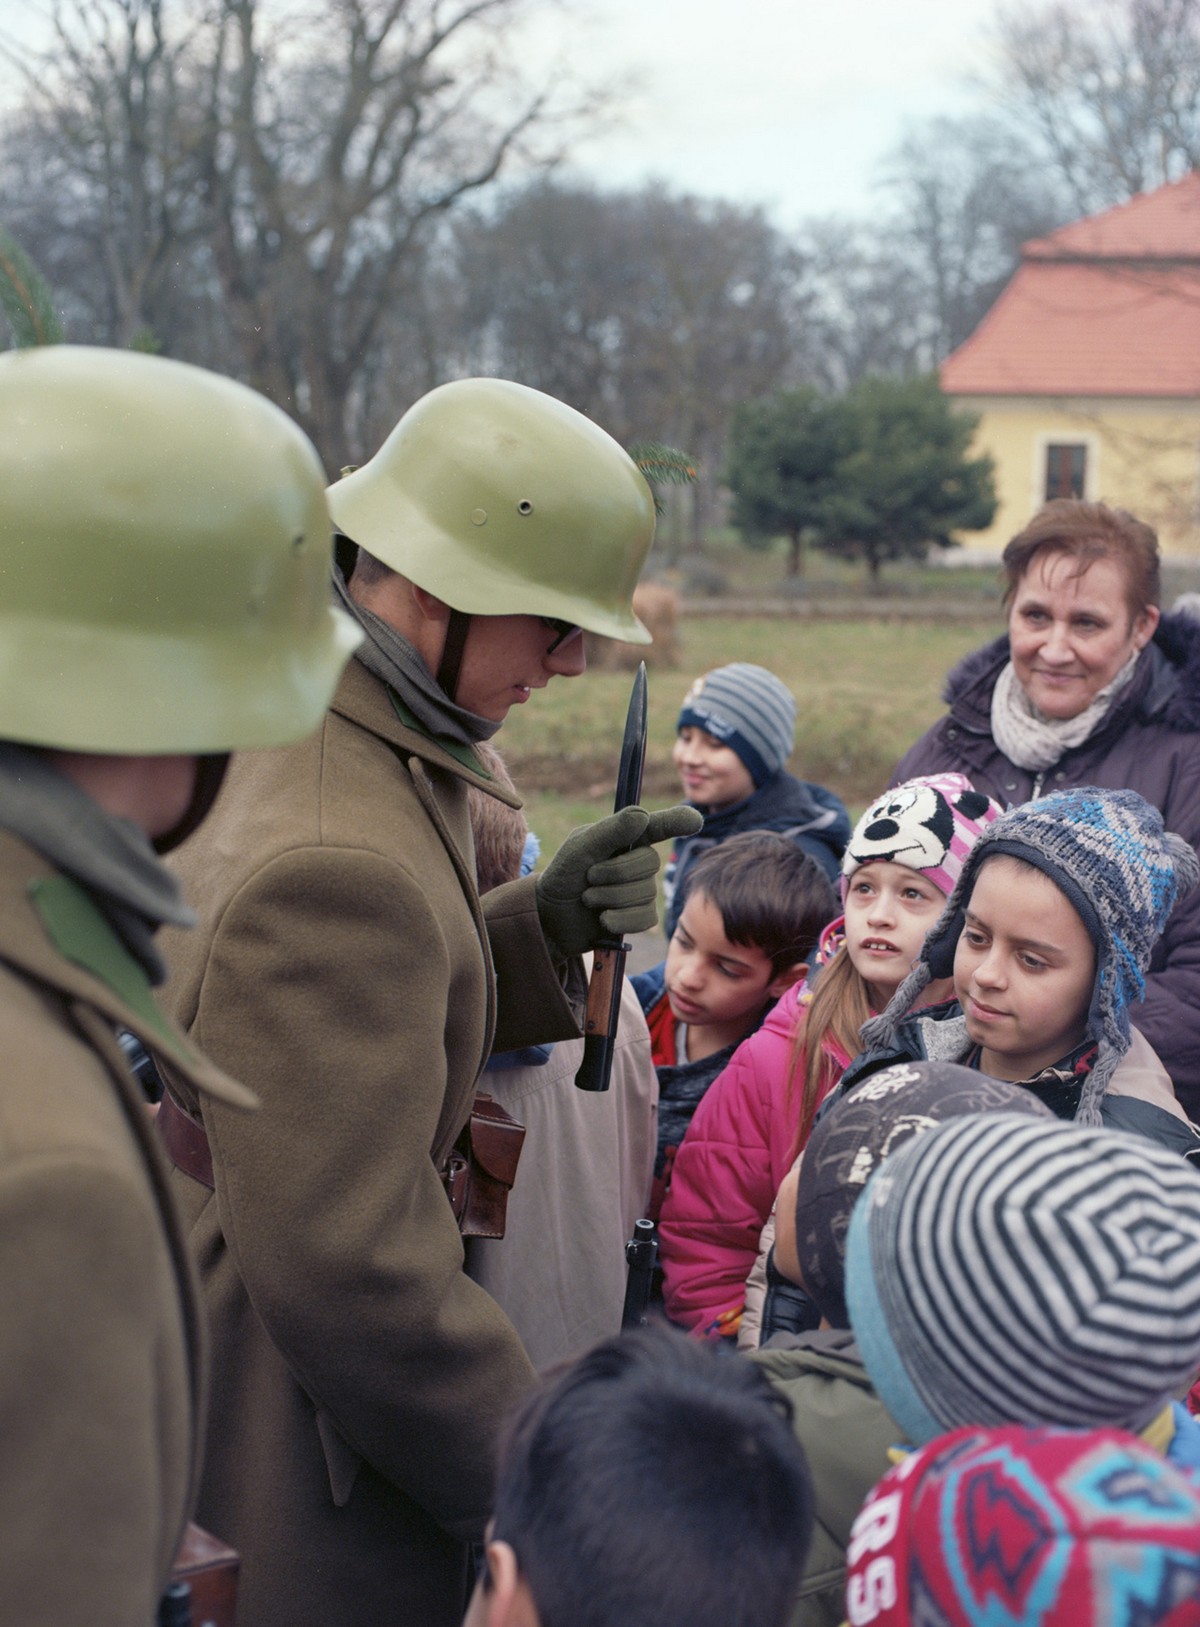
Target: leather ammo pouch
column 479, row 1173
column 210, row 1569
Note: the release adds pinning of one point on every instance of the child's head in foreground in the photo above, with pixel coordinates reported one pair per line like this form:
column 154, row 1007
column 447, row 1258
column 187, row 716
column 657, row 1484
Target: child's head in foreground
column 736, row 729
column 1057, row 1528
column 1050, row 929
column 754, row 909
column 850, row 1141
column 656, row 1480
column 1016, row 1270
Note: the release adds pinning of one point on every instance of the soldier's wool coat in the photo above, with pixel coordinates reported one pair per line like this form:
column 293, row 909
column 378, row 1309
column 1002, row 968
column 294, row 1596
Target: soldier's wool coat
column 344, row 969
column 100, row 1324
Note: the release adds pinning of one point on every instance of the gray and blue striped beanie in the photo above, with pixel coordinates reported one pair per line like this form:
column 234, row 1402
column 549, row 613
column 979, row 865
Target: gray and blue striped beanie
column 1003, row 1269
column 1108, row 852
column 749, row 710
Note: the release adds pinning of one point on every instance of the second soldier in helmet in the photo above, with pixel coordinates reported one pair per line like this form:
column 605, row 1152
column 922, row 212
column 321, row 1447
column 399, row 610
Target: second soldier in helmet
column 163, row 545
column 346, row 969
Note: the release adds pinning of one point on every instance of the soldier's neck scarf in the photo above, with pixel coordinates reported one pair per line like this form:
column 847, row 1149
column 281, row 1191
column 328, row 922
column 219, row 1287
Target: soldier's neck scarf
column 110, row 857
column 391, row 657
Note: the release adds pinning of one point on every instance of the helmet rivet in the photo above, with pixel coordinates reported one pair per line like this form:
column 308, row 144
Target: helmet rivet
column 479, row 516
column 524, row 506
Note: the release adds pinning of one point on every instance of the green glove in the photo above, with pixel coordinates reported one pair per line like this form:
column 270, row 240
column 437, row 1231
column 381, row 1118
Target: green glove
column 601, row 882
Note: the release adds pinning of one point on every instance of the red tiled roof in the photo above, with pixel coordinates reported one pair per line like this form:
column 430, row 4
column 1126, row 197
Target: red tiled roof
column 1077, row 329
column 1108, row 306
column 1159, row 225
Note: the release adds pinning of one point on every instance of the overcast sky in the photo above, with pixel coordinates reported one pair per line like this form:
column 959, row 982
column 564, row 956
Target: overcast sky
column 789, row 103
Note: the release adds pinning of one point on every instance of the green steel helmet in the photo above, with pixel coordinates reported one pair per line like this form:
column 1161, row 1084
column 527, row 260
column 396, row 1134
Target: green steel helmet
column 165, row 552
column 504, row 501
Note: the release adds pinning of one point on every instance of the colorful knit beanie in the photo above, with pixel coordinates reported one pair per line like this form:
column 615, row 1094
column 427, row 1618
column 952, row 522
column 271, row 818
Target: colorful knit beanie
column 856, row 1134
column 1027, row 1528
column 747, row 709
column 929, row 824
column 1108, row 853
column 1003, row 1269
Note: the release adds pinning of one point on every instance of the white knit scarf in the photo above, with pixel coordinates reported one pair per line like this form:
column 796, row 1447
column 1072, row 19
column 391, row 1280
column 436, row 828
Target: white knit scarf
column 1033, row 741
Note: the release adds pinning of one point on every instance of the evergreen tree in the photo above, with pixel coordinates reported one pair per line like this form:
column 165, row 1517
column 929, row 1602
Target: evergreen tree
column 781, row 467
column 878, row 473
column 905, row 480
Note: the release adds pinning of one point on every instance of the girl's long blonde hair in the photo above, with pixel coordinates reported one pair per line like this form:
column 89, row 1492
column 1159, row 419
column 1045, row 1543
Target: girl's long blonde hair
column 839, row 1006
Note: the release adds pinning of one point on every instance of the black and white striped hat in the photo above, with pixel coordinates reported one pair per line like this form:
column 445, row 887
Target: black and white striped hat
column 1003, row 1270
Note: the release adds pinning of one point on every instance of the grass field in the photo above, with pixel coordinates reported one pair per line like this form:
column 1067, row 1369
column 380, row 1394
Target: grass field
column 727, row 567
column 865, row 690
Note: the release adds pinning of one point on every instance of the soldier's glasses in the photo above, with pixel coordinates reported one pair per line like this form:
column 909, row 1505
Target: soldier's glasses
column 563, row 629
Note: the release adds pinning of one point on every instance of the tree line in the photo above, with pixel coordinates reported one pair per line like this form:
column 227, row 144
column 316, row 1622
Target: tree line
column 347, row 204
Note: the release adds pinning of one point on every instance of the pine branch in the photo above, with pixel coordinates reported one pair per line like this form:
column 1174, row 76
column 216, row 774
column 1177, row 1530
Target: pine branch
column 663, row 465
column 25, row 297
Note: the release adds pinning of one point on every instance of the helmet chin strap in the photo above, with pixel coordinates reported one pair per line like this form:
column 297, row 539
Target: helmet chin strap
column 210, row 772
column 457, row 629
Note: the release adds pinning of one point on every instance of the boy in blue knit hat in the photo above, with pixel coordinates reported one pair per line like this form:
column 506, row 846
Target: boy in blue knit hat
column 1048, row 936
column 735, row 733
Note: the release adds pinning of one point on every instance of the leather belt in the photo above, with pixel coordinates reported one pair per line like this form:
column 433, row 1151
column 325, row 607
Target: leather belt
column 185, row 1141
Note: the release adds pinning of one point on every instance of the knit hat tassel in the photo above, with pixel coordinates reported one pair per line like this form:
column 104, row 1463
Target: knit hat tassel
column 880, row 1032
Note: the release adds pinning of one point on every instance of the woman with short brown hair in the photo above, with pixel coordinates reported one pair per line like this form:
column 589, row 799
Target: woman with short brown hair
column 1091, row 685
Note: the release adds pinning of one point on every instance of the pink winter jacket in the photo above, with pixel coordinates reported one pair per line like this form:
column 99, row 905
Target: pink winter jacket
column 727, row 1171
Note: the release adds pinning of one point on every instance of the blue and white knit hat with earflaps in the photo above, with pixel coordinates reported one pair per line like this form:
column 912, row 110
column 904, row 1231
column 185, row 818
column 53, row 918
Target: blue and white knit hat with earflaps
column 1122, row 872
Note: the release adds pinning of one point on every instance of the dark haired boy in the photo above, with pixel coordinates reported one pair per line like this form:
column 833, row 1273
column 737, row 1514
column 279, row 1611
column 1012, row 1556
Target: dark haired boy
column 655, row 1480
column 751, row 918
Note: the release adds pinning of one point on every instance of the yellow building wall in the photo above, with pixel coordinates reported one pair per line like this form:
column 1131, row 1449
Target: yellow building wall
column 1141, row 455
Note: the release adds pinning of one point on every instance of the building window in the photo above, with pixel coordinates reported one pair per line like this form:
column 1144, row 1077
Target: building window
column 1066, row 469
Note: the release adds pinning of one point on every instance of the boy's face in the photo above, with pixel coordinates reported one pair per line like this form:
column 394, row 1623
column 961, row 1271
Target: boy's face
column 1023, row 970
column 713, row 775
column 714, row 984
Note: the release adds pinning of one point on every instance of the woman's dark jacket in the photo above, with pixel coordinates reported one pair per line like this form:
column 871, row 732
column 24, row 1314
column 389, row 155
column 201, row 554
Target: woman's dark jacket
column 1149, row 743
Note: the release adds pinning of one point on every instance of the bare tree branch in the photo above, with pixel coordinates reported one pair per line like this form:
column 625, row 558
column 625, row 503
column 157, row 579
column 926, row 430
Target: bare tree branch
column 1109, row 89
